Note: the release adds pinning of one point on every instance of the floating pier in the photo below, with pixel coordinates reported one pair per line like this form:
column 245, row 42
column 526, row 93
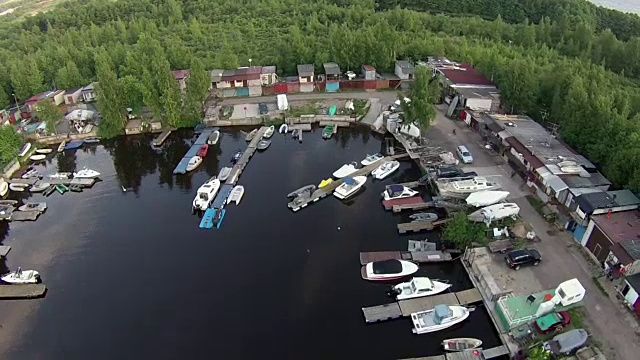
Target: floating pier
column 413, row 206
column 472, row 354
column 32, row 181
column 417, row 256
column 181, row 168
column 419, row 225
column 4, row 250
column 303, row 127
column 26, row 291
column 161, row 138
column 405, row 308
column 24, row 215
column 410, row 201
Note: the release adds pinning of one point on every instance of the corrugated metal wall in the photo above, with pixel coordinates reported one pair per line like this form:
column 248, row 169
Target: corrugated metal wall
column 268, row 90
column 382, row 84
column 242, row 91
column 255, row 90
column 307, row 87
column 370, row 84
column 228, row 92
column 332, row 86
column 281, row 88
column 293, row 87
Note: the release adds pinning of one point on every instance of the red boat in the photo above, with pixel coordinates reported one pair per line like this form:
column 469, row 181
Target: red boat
column 203, row 150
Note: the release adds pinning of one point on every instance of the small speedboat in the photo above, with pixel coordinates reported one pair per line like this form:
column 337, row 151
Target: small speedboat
column 224, row 173
column 37, row 206
column 325, row 182
column 92, row 140
column 4, row 188
column 38, row 157
column 438, row 318
column 22, row 277
column 86, row 174
column 61, row 175
column 48, row 191
column 346, row 170
column 370, row 159
column 24, row 149
column 269, row 133
column 385, row 169
column 194, row 162
column 204, row 149
column 61, row 146
column 350, row 185
column 205, row 195
column 251, row 135
column 284, row 128
column 73, row 144
column 18, row 187
column 418, row 287
column 328, row 131
column 213, row 138
column 44, row 151
column 398, row 192
column 263, row 144
column 236, row 195
column 388, row 270
column 424, row 216
column 308, row 189
column 461, row 344
column 39, row 187
column 237, row 156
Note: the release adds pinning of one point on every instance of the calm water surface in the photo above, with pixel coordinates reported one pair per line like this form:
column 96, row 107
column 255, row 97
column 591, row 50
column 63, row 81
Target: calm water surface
column 131, row 276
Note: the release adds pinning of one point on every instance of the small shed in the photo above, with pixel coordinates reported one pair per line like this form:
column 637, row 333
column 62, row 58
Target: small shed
column 405, row 69
column 268, row 75
column 368, row 72
column 58, row 97
column 216, row 77
column 181, row 77
column 630, row 290
column 305, row 73
column 73, row 96
column 332, row 71
column 89, row 92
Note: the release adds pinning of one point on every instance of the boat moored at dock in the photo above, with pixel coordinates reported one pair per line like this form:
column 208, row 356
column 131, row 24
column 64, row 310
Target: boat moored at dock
column 346, row 170
column 284, row 128
column 461, row 344
column 204, row 149
column 350, row 186
column 213, row 138
column 386, row 169
column 38, row 157
column 418, row 287
column 398, row 192
column 236, row 195
column 61, row 146
column 251, row 135
column 370, row 159
column 18, row 187
column 224, row 173
column 439, row 318
column 36, row 206
column 73, row 144
column 86, row 174
column 205, row 194
column 388, row 270
column 194, row 162
column 21, row 277
column 263, row 144
column 269, row 132
column 305, row 190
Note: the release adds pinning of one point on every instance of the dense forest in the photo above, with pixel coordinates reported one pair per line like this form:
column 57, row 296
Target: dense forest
column 565, row 58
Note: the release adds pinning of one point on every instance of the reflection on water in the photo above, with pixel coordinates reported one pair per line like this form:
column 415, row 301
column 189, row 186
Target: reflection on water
column 132, row 276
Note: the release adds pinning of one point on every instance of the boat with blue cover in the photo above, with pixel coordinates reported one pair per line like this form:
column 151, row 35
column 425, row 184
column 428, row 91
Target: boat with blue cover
column 207, row 219
column 73, row 144
column 217, row 219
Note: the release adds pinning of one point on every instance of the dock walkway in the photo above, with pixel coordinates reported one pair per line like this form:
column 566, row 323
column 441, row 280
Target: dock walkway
column 474, row 354
column 407, row 307
column 4, row 250
column 181, row 168
column 419, row 225
column 328, row 190
column 417, row 256
column 32, row 181
column 237, row 169
column 162, row 137
column 26, row 291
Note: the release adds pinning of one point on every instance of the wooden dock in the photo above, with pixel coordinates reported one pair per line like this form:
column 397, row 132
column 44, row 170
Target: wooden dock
column 32, row 181
column 4, row 250
column 303, row 127
column 416, row 256
column 161, row 138
column 327, row 190
column 419, row 225
column 27, row 291
column 478, row 354
column 495, row 352
column 237, row 169
column 410, row 201
column 407, row 307
column 24, row 215
column 413, row 206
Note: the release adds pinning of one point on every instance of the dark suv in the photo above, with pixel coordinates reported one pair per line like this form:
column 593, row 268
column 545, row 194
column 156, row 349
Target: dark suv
column 517, row 258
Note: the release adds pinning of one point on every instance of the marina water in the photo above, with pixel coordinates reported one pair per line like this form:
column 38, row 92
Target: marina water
column 131, row 276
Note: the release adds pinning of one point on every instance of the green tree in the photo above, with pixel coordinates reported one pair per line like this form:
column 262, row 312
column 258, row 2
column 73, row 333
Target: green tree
column 420, row 109
column 69, row 77
column 538, row 353
column 462, row 232
column 109, row 94
column 10, row 143
column 4, row 98
column 198, row 84
column 26, row 78
column 133, row 93
column 49, row 113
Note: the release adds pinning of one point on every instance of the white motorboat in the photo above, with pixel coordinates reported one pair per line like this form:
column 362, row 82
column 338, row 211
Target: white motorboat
column 213, row 138
column 194, row 162
column 206, row 193
column 37, row 206
column 486, row 197
column 438, row 318
column 305, row 190
column 495, row 212
column 346, row 170
column 284, row 128
column 60, row 175
column 31, row 173
column 418, row 287
column 461, row 344
column 236, row 195
column 463, row 188
column 24, row 149
column 39, row 187
column 385, row 169
column 18, row 187
column 61, row 146
column 370, row 159
column 269, row 133
column 37, row 157
column 224, row 173
column 349, row 186
column 86, row 174
column 388, row 270
column 398, row 192
column 263, row 144
column 4, row 188
column 22, row 277
column 44, row 151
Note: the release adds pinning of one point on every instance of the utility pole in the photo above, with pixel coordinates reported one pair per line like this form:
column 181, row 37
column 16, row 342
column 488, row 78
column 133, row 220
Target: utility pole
column 553, row 131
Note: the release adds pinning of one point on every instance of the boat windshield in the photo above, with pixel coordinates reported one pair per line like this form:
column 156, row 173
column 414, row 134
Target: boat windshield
column 204, row 196
column 387, row 267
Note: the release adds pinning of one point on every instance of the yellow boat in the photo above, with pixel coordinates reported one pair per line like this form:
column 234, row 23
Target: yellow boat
column 324, row 183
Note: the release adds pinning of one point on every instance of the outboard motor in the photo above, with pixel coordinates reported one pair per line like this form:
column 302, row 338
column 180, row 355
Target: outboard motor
column 393, row 292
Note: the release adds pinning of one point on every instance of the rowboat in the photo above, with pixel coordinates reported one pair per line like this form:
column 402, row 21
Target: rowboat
column 44, row 151
column 61, row 146
column 328, row 130
column 461, row 344
column 236, row 195
column 269, row 133
column 24, row 149
column 251, row 135
column 38, row 157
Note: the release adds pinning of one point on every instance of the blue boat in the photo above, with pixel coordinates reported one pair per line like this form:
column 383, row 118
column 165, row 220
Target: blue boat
column 73, row 144
column 218, row 218
column 207, row 219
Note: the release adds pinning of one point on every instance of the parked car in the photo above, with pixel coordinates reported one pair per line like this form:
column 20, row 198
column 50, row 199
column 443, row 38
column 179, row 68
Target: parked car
column 517, row 258
column 552, row 322
column 262, row 107
column 464, row 154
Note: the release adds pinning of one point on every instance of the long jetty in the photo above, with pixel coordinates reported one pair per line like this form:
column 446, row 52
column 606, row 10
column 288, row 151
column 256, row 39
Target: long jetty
column 417, row 256
column 181, row 168
column 75, row 181
column 472, row 354
column 26, row 291
column 329, row 189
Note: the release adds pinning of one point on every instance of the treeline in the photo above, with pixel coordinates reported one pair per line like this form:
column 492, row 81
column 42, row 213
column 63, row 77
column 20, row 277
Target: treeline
column 131, row 45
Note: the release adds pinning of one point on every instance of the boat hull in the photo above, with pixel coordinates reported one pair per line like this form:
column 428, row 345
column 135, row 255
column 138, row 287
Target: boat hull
column 26, row 277
column 408, row 268
column 384, row 170
column 344, row 171
column 460, row 314
column 406, row 294
column 194, row 163
column 344, row 192
column 25, row 149
column 461, row 344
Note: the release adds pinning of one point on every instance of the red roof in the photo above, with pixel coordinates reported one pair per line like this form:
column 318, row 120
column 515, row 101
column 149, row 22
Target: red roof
column 465, row 74
column 38, row 97
column 368, row 68
column 242, row 74
column 180, row 74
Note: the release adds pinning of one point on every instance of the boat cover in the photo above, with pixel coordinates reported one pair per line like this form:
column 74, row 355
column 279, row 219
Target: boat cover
column 440, row 312
column 349, row 180
column 395, row 190
column 387, row 267
column 568, row 341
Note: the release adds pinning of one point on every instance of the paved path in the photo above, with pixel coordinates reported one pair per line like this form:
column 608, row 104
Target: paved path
column 607, row 320
column 384, row 96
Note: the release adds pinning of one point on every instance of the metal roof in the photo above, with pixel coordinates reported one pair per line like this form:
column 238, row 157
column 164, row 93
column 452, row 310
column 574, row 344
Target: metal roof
column 465, row 74
column 271, row 69
column 305, row 70
column 632, row 246
column 479, row 93
column 331, row 68
column 619, row 226
column 406, row 66
column 624, row 197
column 634, row 281
column 593, row 180
column 556, row 183
column 368, row 68
column 216, row 75
column 596, row 200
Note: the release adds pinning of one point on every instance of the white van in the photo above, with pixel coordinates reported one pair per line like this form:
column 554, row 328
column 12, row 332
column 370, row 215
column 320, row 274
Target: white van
column 464, row 154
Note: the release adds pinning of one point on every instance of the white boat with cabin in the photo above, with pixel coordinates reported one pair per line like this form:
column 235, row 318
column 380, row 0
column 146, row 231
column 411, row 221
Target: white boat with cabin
column 86, row 174
column 398, row 192
column 269, row 133
column 370, row 159
column 463, row 188
column 206, row 193
column 194, row 162
column 495, row 212
column 236, row 195
column 213, row 138
column 224, row 173
column 346, row 170
column 418, row 287
column 61, row 175
column 21, row 277
column 388, row 270
column 350, row 185
column 438, row 318
column 486, row 197
column 386, row 169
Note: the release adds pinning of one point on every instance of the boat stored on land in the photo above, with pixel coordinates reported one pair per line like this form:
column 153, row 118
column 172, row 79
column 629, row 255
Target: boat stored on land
column 385, row 169
column 224, row 173
column 263, row 144
column 495, row 212
column 86, row 174
column 346, row 170
column 4, row 188
column 461, row 344
column 439, row 318
column 307, row 189
column 269, row 133
column 194, row 162
column 424, row 216
column 38, row 157
column 486, row 197
column 73, row 144
column 325, row 182
column 44, row 151
column 39, row 187
column 61, row 146
column 398, row 192
column 202, row 152
column 388, row 270
column 205, row 194
column 284, row 128
column 18, row 187
column 21, row 277
column 328, row 130
column 370, row 159
column 349, row 187
column 463, row 188
column 32, row 173
column 251, row 134
column 418, row 287
column 36, row 206
column 213, row 138
column 236, row 195
column 24, row 149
